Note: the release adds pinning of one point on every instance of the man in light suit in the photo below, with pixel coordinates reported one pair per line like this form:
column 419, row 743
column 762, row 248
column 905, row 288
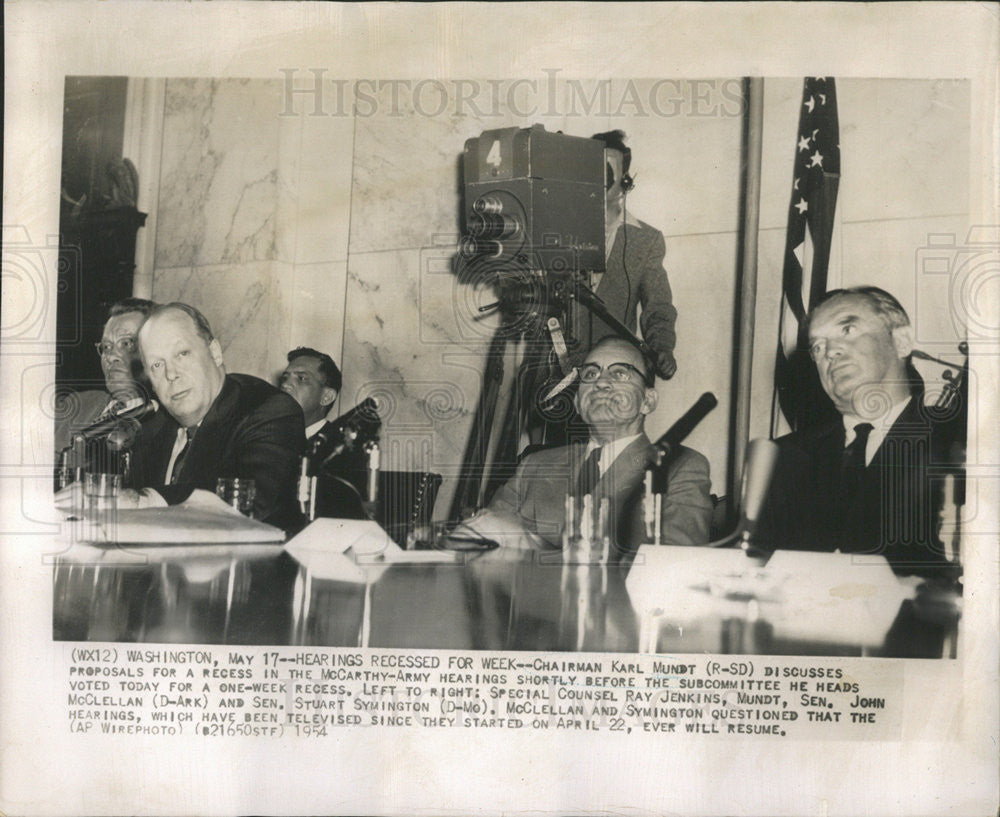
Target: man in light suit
column 869, row 482
column 615, row 395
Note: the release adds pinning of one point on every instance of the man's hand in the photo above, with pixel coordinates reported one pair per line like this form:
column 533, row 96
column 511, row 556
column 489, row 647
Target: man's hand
column 502, row 527
column 665, row 365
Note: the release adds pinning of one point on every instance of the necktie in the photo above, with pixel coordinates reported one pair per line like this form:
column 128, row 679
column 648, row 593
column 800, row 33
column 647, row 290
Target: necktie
column 179, row 462
column 589, row 474
column 854, row 461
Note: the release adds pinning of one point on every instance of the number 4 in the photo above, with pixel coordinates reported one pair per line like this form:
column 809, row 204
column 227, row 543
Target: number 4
column 493, row 157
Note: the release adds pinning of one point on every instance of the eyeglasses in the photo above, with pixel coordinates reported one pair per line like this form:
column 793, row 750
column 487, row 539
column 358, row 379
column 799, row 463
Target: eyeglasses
column 618, row 372
column 123, row 346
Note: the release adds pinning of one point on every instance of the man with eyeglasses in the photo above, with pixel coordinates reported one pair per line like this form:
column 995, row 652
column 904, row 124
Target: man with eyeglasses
column 864, row 483
column 122, row 369
column 614, row 397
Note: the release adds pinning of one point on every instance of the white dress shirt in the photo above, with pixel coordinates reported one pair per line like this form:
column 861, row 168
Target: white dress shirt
column 179, row 443
column 880, row 428
column 610, row 451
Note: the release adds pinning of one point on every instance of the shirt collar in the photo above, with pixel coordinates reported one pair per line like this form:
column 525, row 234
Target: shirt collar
column 880, row 425
column 312, row 429
column 880, row 428
column 611, row 450
column 624, row 217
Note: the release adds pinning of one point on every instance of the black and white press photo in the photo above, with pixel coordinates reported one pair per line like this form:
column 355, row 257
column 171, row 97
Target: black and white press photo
column 442, row 408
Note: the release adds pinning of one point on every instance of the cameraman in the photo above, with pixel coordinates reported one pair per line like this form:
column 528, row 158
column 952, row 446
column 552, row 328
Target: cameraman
column 635, row 274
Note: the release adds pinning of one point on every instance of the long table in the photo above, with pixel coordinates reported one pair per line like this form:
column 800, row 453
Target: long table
column 507, row 600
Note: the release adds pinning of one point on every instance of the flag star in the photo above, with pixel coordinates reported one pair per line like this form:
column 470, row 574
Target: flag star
column 817, row 160
column 803, row 143
column 811, row 103
column 802, row 206
column 814, row 133
column 795, row 184
column 822, row 100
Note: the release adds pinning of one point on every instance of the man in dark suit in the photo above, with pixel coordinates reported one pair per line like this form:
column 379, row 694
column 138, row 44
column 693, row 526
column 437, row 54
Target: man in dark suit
column 313, row 379
column 615, row 395
column 334, row 447
column 634, row 274
column 870, row 482
column 211, row 424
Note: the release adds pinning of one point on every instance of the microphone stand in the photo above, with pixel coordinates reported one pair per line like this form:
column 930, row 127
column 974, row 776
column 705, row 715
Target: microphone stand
column 757, row 472
column 663, row 452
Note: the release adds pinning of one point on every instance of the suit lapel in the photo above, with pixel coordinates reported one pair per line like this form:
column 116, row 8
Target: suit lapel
column 910, row 426
column 626, row 472
column 545, row 487
column 619, row 293
column 206, row 454
column 156, row 442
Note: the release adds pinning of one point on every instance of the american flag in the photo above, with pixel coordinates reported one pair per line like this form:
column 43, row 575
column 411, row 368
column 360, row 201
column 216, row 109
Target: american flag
column 816, row 176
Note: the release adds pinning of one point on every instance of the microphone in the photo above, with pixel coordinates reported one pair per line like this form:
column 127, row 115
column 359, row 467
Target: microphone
column 119, row 442
column 304, row 487
column 684, row 426
column 134, row 410
column 123, row 436
column 757, row 472
column 361, row 421
column 372, row 467
column 655, row 485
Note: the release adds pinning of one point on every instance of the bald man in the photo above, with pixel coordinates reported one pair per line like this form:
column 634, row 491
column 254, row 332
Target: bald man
column 211, row 424
column 614, row 397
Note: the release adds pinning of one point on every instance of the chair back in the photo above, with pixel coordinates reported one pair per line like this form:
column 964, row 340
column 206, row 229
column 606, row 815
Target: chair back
column 406, row 501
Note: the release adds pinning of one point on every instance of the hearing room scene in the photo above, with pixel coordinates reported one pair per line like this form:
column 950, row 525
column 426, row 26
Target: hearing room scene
column 623, row 365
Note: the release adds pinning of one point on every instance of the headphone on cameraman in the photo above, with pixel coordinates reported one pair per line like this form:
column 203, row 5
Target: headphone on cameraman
column 627, row 182
column 615, row 140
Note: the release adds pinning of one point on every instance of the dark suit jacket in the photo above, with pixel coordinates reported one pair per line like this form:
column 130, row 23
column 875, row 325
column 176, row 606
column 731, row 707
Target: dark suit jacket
column 638, row 250
column 896, row 513
column 252, row 430
column 537, row 495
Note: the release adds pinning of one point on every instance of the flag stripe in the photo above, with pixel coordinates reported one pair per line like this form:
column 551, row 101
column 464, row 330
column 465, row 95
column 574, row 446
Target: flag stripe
column 811, row 208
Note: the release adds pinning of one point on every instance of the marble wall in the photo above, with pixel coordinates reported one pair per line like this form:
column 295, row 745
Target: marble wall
column 336, row 230
column 252, row 219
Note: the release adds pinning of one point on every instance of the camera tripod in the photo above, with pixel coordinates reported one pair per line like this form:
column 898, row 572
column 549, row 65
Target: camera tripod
column 540, row 309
